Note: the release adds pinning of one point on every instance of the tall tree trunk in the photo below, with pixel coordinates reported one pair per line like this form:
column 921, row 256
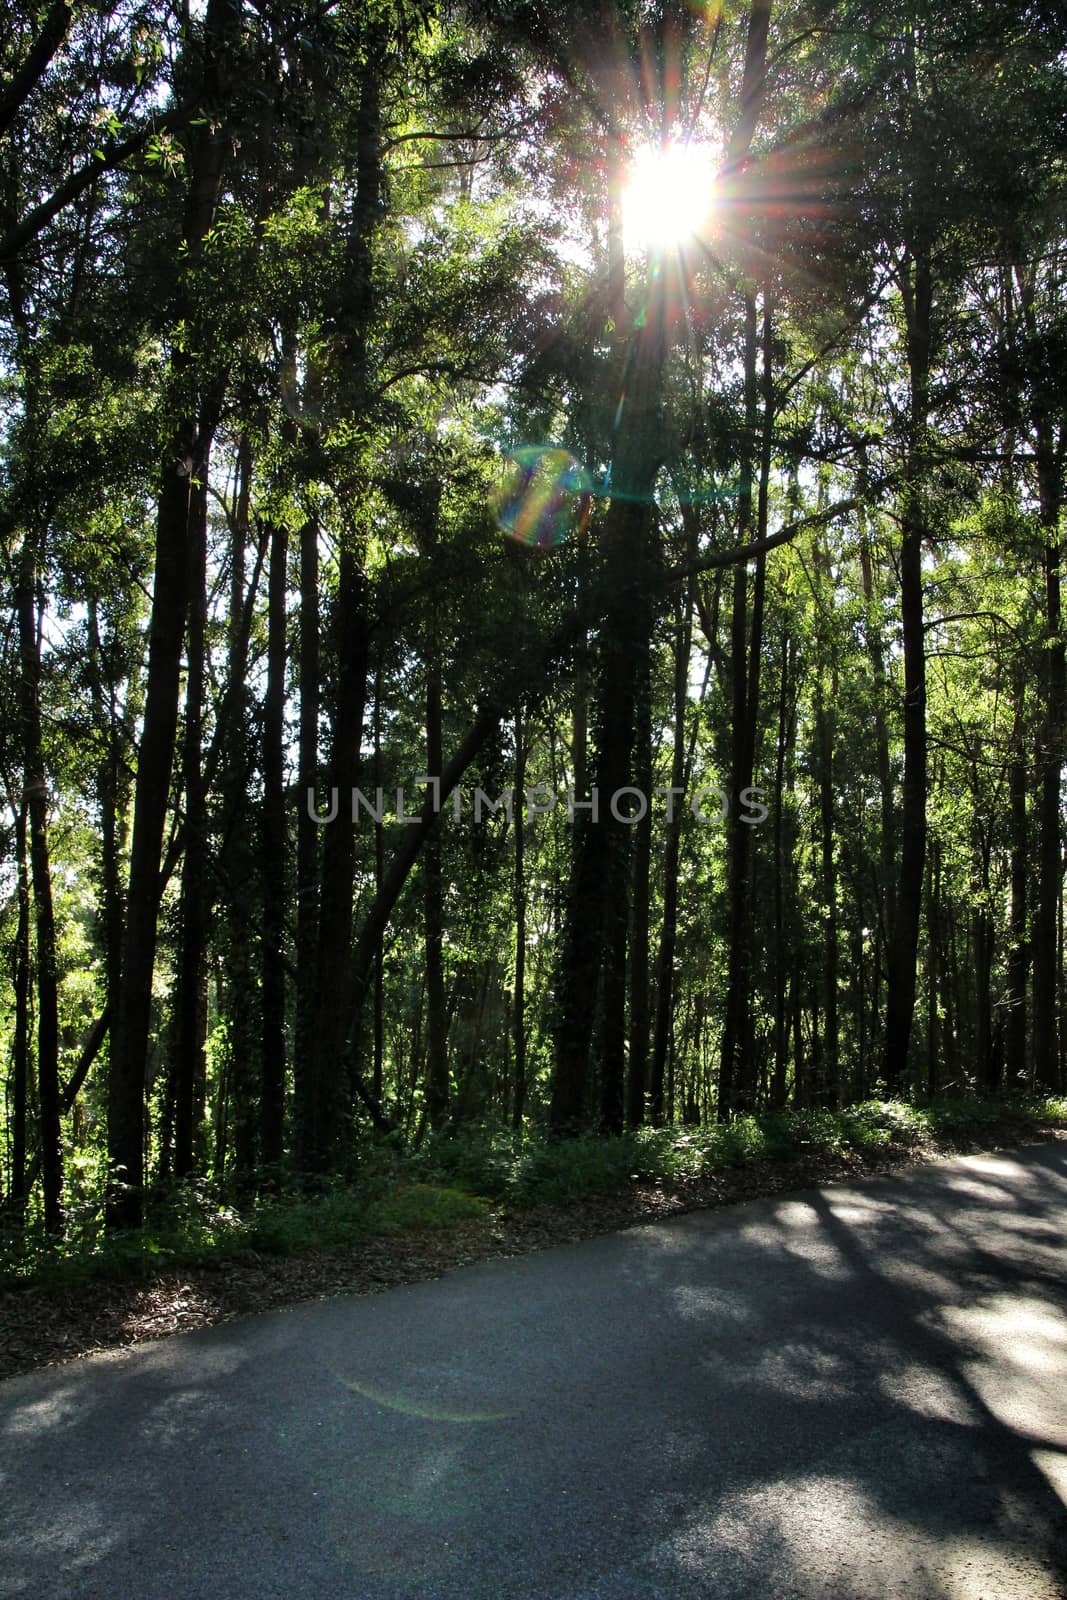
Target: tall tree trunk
column 324, row 1112
column 206, row 143
column 887, row 869
column 1049, row 821
column 736, row 1080
column 237, row 861
column 613, row 988
column 735, row 1062
column 829, row 1086
column 904, row 944
column 519, row 997
column 580, row 700
column 111, row 794
column 668, row 942
column 36, row 800
column 783, row 865
column 275, row 848
column 934, row 1046
column 189, row 1041
column 1018, row 948
column 307, row 834
column 637, row 1066
column 379, row 874
column 982, row 936
column 598, row 891
column 437, row 1074
column 20, row 1044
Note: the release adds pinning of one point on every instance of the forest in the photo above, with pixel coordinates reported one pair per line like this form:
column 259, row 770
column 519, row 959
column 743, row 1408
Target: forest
column 531, row 544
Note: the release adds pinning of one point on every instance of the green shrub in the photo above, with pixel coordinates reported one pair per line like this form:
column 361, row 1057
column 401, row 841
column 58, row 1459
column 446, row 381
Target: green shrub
column 482, row 1160
column 573, row 1169
column 422, row 1205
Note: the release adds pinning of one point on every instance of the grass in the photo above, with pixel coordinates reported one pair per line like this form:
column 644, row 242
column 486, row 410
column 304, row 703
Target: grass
column 461, row 1178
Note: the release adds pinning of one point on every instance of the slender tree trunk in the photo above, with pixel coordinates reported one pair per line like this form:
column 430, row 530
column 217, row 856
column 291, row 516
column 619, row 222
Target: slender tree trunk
column 613, row 989
column 519, row 996
column 275, row 844
column 437, row 1074
column 580, row 702
column 887, row 871
column 637, row 1066
column 934, row 1048
column 783, row 856
column 796, row 1015
column 1062, row 989
column 111, row 789
column 1049, row 803
column 1018, row 949
column 307, row 833
column 189, row 1039
column 668, row 943
column 237, row 863
column 20, row 1044
column 829, row 1087
column 379, row 874
column 736, row 1090
column 36, row 792
column 325, row 1111
column 904, row 944
column 982, row 936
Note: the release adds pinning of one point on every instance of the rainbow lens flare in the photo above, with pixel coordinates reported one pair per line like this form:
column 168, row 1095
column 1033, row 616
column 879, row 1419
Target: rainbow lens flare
column 543, row 497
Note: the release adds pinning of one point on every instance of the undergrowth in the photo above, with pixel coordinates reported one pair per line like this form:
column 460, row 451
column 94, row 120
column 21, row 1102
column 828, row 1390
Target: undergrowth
column 462, row 1177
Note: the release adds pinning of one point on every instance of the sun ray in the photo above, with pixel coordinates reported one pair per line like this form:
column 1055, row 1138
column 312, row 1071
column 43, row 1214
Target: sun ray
column 669, row 194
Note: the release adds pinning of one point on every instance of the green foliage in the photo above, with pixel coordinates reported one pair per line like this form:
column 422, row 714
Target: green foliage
column 422, row 1205
column 458, row 1179
column 574, row 1169
column 480, row 1158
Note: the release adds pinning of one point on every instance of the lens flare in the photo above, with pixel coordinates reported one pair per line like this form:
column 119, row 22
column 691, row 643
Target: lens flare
column 543, row 497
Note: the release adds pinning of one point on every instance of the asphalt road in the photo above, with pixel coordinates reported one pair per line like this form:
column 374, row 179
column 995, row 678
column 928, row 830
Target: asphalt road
column 855, row 1393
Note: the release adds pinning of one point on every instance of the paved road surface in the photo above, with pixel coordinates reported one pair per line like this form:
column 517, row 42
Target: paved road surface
column 856, row 1393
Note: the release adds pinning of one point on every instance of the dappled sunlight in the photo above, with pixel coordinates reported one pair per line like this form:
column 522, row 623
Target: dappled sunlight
column 169, row 1420
column 44, row 1413
column 1019, row 1365
column 692, row 1301
column 973, row 1568
column 928, row 1394
column 851, row 1210
column 961, row 1184
column 1028, row 1327
column 821, row 1258
column 993, row 1166
column 788, row 1229
column 793, row 1213
column 1053, row 1463
column 922, row 1278
column 806, row 1370
column 88, row 1533
column 826, row 1537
